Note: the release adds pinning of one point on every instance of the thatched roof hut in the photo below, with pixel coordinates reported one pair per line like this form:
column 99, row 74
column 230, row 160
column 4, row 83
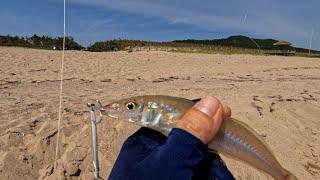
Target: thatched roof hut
column 282, row 43
column 283, row 48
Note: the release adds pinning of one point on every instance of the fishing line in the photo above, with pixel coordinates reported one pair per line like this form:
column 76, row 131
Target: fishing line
column 61, row 86
column 251, row 39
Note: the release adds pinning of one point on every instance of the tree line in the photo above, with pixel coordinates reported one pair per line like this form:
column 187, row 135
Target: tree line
column 42, row 42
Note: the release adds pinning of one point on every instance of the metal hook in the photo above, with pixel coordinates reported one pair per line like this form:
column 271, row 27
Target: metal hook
column 96, row 107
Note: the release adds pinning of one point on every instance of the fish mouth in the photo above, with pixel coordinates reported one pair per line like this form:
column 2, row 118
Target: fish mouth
column 111, row 111
column 112, row 115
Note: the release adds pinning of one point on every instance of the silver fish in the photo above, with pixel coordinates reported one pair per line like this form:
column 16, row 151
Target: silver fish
column 234, row 139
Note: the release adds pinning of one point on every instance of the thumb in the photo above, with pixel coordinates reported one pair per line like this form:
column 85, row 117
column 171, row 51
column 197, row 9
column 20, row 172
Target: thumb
column 208, row 105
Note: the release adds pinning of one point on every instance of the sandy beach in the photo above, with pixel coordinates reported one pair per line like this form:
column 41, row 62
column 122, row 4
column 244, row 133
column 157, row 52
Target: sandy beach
column 277, row 96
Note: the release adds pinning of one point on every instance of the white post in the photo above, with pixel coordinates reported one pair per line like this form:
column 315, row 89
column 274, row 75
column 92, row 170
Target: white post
column 310, row 41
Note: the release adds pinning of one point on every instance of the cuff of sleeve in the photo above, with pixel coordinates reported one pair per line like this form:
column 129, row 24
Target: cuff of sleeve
column 180, row 135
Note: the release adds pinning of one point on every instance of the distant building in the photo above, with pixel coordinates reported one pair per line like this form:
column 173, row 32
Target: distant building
column 283, row 48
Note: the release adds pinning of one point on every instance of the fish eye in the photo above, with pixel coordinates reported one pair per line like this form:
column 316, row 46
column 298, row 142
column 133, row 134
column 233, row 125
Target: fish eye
column 130, row 105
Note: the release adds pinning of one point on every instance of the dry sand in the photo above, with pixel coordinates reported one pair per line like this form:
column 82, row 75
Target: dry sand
column 277, row 96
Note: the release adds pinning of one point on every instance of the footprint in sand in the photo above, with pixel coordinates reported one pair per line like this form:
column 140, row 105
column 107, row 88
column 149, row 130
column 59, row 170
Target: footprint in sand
column 254, row 103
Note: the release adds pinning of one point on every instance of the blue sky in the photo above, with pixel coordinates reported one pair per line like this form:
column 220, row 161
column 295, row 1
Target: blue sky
column 92, row 20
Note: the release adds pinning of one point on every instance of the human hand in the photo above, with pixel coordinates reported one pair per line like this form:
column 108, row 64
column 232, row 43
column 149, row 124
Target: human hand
column 204, row 119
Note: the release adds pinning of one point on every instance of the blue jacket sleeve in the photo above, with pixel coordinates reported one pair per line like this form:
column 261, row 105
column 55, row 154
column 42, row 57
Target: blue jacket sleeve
column 176, row 159
column 150, row 155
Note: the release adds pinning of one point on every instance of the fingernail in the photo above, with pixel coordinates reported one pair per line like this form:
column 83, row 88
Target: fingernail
column 208, row 105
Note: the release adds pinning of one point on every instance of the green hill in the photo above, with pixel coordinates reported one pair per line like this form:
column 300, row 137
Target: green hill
column 235, row 41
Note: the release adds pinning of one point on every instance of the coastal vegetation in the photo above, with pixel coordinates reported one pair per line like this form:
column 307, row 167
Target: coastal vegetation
column 41, row 42
column 231, row 45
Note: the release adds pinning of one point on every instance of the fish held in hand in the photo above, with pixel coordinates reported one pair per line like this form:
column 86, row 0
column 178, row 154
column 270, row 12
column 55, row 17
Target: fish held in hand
column 235, row 139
